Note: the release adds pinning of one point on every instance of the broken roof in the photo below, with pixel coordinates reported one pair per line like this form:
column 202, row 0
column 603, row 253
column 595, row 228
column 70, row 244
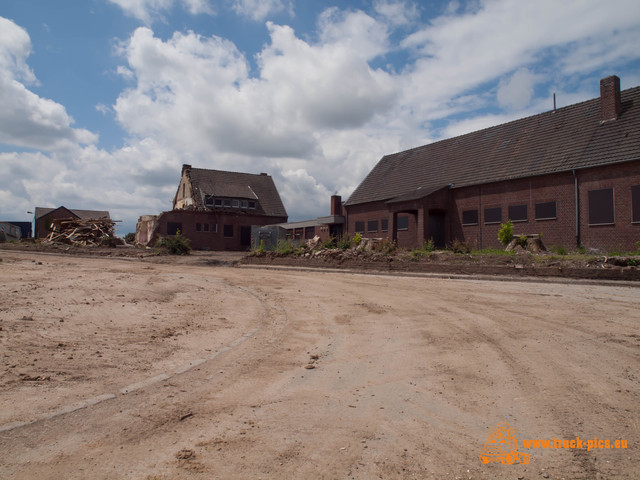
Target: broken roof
column 82, row 214
column 219, row 183
column 568, row 138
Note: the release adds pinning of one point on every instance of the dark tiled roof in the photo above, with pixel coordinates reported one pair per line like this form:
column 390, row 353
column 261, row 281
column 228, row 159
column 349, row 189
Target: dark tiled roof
column 237, row 185
column 82, row 214
column 570, row 138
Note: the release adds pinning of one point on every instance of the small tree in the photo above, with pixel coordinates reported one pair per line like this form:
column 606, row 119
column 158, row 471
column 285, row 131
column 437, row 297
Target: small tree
column 505, row 234
column 130, row 237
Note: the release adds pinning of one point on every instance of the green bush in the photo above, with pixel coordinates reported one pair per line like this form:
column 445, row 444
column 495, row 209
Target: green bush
column 429, row 246
column 331, row 243
column 458, row 246
column 176, row 245
column 357, row 238
column 284, row 247
column 558, row 249
column 505, row 234
column 130, row 237
column 344, row 242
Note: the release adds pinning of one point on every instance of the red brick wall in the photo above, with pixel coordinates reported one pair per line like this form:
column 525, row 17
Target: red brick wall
column 560, row 231
column 202, row 240
column 529, row 191
column 623, row 235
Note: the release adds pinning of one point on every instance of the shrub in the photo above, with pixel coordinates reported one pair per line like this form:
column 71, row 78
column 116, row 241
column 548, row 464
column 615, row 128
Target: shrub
column 458, row 246
column 559, row 249
column 261, row 249
column 582, row 250
column 429, row 246
column 344, row 242
column 505, row 234
column 357, row 238
column 130, row 237
column 284, row 247
column 331, row 243
column 176, row 245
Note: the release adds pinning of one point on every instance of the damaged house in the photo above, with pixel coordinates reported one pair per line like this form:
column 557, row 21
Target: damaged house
column 216, row 209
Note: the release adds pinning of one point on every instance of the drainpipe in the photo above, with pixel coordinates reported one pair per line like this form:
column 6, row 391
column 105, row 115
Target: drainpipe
column 575, row 192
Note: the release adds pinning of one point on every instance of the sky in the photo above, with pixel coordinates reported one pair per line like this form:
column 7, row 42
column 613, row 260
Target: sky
column 104, row 100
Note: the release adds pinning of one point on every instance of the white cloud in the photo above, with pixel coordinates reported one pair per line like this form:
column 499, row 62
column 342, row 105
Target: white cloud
column 27, row 120
column 516, row 92
column 259, row 10
column 397, row 13
column 149, row 10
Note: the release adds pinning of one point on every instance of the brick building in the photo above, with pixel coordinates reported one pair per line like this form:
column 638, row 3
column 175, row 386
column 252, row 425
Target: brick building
column 572, row 174
column 324, row 227
column 44, row 216
column 216, row 209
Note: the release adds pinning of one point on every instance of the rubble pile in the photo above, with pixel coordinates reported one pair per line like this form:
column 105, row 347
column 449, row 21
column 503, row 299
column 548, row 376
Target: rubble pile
column 82, row 233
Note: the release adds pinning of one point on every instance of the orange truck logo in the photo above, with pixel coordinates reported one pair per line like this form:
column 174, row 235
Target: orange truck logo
column 502, row 446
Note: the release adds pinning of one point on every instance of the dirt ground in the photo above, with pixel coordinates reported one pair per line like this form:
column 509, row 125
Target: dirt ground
column 187, row 368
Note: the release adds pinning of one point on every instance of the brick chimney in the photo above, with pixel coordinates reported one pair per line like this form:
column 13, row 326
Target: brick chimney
column 610, row 105
column 336, row 205
column 185, row 167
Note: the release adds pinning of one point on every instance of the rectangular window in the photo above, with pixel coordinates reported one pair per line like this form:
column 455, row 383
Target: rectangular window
column 198, row 227
column 601, row 211
column 372, row 226
column 252, row 204
column 228, row 231
column 470, row 217
column 173, row 228
column 208, row 200
column 309, row 232
column 359, row 227
column 226, row 202
column 635, row 204
column 518, row 213
column 235, row 203
column 384, row 225
column 493, row 215
column 214, row 228
column 217, row 202
column 244, row 204
column 546, row 211
column 403, row 223
column 206, row 227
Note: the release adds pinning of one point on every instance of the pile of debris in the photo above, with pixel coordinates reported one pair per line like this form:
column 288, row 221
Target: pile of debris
column 82, row 233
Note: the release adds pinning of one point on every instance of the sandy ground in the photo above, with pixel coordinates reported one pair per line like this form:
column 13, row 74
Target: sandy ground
column 130, row 368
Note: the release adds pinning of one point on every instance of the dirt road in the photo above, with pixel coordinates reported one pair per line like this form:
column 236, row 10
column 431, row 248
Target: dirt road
column 124, row 368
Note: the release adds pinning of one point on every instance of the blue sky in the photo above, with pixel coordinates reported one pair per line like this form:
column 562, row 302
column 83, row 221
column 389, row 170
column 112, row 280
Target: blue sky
column 104, row 100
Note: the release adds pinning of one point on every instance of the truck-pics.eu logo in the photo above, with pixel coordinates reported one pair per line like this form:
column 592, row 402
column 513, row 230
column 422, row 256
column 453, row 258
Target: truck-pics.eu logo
column 502, row 446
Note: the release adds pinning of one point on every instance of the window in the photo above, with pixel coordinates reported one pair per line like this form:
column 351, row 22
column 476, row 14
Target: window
column 384, row 225
column 227, row 202
column 214, row 228
column 228, row 231
column 252, row 204
column 359, row 227
column 198, row 227
column 309, row 232
column 217, row 202
column 518, row 213
column 635, row 204
column 470, row 217
column 546, row 211
column 244, row 203
column 403, row 223
column 206, row 227
column 493, row 215
column 372, row 226
column 173, row 228
column 601, row 207
column 235, row 203
column 208, row 200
